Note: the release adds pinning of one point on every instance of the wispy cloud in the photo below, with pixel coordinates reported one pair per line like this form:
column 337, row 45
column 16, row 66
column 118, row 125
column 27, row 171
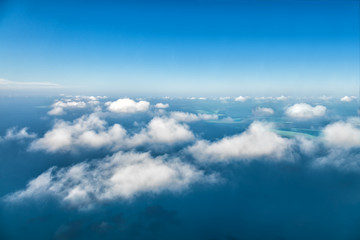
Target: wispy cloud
column 15, row 85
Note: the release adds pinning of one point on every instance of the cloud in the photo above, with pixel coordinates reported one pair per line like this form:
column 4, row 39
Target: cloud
column 120, row 176
column 263, row 111
column 305, row 111
column 340, row 159
column 14, row 85
column 56, row 111
column 257, row 141
column 347, row 98
column 13, row 134
column 191, row 117
column 58, row 106
column 87, row 131
column 162, row 130
column 77, row 102
column 341, row 134
column 127, row 105
column 241, row 99
column 162, row 105
column 282, row 98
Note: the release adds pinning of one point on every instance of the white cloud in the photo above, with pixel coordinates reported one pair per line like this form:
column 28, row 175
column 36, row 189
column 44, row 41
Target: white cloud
column 325, row 98
column 305, row 111
column 70, row 104
column 162, row 105
column 191, row 117
column 56, row 111
column 14, row 85
column 59, row 106
column 241, row 99
column 341, row 134
column 257, row 141
column 121, row 176
column 282, row 98
column 347, row 98
column 127, row 105
column 13, row 134
column 162, row 130
column 340, row 159
column 263, row 111
column 87, row 131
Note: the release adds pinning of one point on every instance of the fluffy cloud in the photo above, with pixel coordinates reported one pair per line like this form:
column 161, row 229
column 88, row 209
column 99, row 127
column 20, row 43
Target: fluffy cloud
column 162, row 130
column 241, row 99
column 121, row 176
column 347, row 98
column 13, row 134
column 58, row 107
column 87, row 131
column 342, row 134
column 257, row 141
column 263, row 111
column 127, row 105
column 190, row 117
column 162, row 105
column 305, row 111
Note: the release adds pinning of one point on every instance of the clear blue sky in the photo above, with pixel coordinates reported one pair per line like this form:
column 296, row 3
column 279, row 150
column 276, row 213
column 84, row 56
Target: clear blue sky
column 184, row 47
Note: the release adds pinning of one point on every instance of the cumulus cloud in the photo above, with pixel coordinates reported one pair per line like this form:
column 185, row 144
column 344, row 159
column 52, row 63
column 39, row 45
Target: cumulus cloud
column 127, row 105
column 77, row 102
column 241, row 99
column 162, row 105
column 347, row 98
column 257, row 141
column 58, row 106
column 90, row 131
column 14, row 134
column 305, row 111
column 191, row 117
column 162, row 130
column 120, row 176
column 342, row 134
column 263, row 111
column 87, row 131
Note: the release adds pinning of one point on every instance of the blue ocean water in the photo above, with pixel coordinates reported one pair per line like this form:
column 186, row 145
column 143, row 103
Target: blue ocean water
column 253, row 200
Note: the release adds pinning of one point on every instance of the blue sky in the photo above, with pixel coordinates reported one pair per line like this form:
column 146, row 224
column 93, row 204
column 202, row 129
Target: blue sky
column 183, row 47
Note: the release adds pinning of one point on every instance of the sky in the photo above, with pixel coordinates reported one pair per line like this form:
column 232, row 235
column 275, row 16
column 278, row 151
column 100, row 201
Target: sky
column 204, row 120
column 180, row 48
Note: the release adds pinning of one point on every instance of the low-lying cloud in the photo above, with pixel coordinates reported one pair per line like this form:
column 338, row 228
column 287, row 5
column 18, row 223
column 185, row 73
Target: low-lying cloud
column 305, row 111
column 257, row 141
column 120, row 176
column 191, row 117
column 127, row 105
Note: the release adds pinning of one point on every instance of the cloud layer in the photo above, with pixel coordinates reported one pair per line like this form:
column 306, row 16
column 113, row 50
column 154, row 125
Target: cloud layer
column 121, row 176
